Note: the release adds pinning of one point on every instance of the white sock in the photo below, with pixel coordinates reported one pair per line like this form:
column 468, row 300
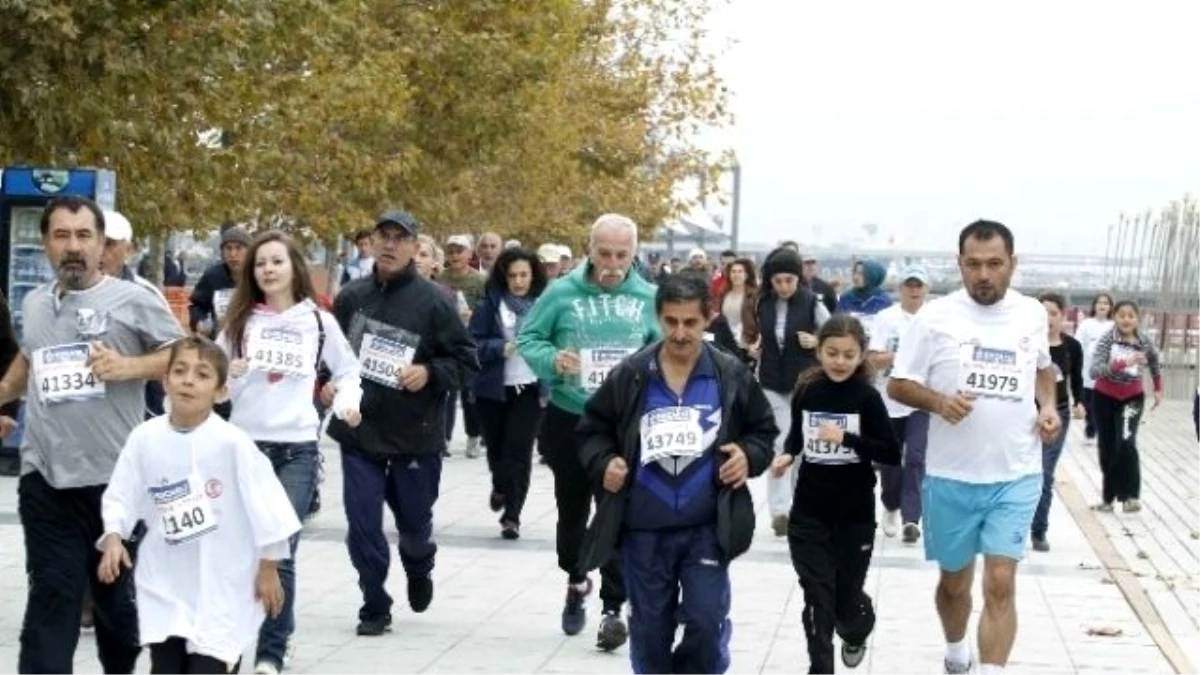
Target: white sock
column 988, row 668
column 958, row 652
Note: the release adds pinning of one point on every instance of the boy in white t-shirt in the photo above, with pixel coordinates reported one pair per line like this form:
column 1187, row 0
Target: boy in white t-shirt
column 901, row 485
column 218, row 523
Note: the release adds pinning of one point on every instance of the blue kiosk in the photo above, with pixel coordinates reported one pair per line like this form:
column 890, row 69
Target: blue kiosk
column 24, row 192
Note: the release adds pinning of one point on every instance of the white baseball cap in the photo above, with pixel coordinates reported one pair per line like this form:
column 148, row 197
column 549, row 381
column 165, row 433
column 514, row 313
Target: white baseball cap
column 564, row 252
column 117, row 227
column 549, row 253
column 459, row 240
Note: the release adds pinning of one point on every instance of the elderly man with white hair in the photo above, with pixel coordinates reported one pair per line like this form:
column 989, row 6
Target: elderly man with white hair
column 580, row 328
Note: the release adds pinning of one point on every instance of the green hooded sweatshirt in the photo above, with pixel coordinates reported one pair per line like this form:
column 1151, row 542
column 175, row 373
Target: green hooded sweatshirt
column 578, row 315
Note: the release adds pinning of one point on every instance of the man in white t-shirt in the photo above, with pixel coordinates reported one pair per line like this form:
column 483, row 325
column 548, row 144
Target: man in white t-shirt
column 901, row 485
column 976, row 360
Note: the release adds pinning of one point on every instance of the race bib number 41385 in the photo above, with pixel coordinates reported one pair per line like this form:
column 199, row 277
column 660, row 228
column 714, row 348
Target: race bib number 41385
column 280, row 350
column 991, row 372
column 62, row 373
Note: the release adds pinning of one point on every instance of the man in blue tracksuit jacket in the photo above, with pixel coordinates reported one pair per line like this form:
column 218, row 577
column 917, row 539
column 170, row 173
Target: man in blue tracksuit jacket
column 669, row 441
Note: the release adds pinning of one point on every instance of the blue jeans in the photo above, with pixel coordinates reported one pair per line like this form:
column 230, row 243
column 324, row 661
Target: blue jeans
column 296, row 466
column 1050, row 453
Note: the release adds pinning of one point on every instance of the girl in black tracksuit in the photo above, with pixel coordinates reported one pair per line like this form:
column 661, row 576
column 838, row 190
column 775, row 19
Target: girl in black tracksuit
column 839, row 427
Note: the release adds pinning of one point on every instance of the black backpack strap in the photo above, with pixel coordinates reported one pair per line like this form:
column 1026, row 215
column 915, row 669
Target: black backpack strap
column 320, row 337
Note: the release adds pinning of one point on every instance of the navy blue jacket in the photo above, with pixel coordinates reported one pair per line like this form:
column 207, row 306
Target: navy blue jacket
column 488, row 334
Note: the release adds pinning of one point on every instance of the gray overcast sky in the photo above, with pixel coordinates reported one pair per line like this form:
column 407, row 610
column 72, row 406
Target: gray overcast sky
column 1052, row 117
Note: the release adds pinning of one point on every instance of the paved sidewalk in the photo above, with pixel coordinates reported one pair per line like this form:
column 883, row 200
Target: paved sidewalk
column 497, row 603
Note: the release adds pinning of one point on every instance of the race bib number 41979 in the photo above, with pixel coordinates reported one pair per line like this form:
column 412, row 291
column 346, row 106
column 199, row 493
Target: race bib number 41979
column 991, row 372
column 62, row 373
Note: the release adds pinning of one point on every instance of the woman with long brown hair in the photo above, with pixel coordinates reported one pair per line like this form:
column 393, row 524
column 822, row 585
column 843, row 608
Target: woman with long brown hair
column 275, row 335
column 735, row 325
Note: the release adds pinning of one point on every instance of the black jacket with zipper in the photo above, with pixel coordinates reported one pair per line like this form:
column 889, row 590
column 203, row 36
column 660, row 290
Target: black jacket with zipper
column 610, row 428
column 780, row 365
column 396, row 421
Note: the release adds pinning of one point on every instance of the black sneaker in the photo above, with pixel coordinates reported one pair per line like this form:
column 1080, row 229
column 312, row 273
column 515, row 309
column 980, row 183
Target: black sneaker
column 852, row 655
column 510, row 530
column 1040, row 544
column 613, row 632
column 420, row 592
column 574, row 614
column 911, row 533
column 496, row 502
column 375, row 625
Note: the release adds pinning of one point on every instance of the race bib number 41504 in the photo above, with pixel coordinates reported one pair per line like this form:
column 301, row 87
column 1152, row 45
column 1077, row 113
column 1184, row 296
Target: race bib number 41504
column 383, row 359
column 62, row 373
column 818, row 451
column 991, row 372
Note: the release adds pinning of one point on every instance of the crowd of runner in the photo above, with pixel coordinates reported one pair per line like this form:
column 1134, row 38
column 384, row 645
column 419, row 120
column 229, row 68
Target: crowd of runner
column 166, row 469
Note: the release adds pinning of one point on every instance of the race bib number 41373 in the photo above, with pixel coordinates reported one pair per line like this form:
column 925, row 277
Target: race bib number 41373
column 819, row 451
column 62, row 373
column 991, row 372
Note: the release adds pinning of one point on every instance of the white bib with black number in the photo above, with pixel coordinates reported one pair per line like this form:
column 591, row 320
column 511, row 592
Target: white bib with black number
column 279, row 349
column 671, row 432
column 596, row 363
column 818, row 451
column 185, row 511
column 993, row 372
column 383, row 358
column 221, row 300
column 62, row 373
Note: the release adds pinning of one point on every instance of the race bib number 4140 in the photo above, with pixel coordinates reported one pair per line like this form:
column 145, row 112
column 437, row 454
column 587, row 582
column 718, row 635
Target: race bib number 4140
column 185, row 511
column 991, row 373
column 62, row 373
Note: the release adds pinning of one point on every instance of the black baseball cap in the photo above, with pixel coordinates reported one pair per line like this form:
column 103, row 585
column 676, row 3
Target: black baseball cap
column 400, row 218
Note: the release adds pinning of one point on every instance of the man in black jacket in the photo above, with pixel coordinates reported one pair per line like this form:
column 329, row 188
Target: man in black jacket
column 211, row 295
column 414, row 348
column 669, row 441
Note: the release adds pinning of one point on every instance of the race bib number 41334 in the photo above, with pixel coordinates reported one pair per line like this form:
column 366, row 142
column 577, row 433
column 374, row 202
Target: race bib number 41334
column 991, row 372
column 62, row 373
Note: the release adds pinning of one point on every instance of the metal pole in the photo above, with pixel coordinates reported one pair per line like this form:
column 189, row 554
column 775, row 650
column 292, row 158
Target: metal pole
column 737, row 205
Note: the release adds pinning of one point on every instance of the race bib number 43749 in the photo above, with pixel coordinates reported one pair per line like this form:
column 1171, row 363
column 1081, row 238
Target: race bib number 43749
column 62, row 373
column 991, row 372
column 671, row 432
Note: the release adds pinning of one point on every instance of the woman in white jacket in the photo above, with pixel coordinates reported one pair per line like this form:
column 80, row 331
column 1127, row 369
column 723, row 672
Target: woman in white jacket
column 1097, row 324
column 275, row 335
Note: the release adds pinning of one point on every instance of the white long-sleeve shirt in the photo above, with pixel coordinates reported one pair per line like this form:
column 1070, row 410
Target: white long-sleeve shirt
column 1090, row 330
column 201, row 589
column 273, row 401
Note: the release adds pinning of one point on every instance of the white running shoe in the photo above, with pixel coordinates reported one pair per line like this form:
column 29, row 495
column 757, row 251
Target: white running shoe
column 891, row 523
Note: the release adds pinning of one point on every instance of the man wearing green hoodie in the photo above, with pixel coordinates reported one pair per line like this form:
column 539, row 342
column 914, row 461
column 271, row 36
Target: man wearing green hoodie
column 575, row 333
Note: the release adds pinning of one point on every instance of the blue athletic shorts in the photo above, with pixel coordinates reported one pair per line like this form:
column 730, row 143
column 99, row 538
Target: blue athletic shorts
column 963, row 520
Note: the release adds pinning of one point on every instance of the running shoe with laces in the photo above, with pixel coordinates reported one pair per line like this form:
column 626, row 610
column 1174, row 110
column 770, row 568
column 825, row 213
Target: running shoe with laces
column 374, row 625
column 574, row 614
column 956, row 668
column 891, row 523
column 266, row 668
column 853, row 655
column 1131, row 506
column 780, row 525
column 613, row 631
column 911, row 533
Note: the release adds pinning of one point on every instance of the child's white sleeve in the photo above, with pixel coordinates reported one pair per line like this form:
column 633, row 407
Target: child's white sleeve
column 120, row 505
column 268, row 510
column 343, row 366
